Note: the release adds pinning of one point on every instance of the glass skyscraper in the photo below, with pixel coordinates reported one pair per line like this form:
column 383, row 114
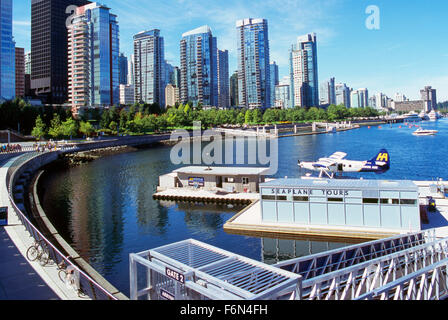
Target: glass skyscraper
column 149, row 67
column 199, row 67
column 7, row 52
column 254, row 83
column 303, row 71
column 223, row 79
column 49, row 48
column 273, row 69
column 93, row 50
column 342, row 95
column 328, row 92
column 123, row 67
column 234, row 89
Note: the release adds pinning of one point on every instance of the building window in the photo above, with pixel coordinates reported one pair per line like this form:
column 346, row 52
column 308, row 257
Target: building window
column 301, row 199
column 282, row 198
column 390, row 201
column 229, row 180
column 335, row 199
column 408, row 202
column 370, row 200
column 245, row 181
column 265, row 197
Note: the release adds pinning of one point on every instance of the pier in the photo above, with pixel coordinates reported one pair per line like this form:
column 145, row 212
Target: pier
column 250, row 222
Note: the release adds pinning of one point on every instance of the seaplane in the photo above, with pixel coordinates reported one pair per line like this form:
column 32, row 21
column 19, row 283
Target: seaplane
column 337, row 163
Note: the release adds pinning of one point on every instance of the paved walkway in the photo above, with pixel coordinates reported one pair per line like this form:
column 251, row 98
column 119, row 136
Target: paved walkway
column 21, row 279
column 18, row 280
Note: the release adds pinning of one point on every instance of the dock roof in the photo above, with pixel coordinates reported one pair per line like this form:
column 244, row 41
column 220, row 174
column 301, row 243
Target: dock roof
column 223, row 171
column 342, row 183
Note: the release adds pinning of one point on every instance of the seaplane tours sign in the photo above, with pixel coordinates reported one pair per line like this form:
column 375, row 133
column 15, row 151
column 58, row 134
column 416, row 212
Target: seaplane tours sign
column 310, row 192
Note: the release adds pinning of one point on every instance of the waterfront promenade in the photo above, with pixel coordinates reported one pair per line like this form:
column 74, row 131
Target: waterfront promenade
column 21, row 279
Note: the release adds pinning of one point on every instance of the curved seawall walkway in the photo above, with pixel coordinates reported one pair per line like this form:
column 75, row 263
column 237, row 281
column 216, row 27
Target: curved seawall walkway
column 21, row 279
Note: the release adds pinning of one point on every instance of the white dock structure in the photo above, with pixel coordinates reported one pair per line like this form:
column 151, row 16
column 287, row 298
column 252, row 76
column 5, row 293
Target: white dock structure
column 405, row 267
column 258, row 132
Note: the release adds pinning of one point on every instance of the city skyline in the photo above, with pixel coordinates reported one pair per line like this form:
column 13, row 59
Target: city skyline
column 345, row 44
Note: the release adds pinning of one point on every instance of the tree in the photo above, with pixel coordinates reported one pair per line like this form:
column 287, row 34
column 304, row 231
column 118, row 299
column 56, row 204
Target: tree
column 113, row 126
column 55, row 130
column 270, row 116
column 248, row 117
column 105, row 119
column 257, row 116
column 39, row 129
column 240, row 118
column 69, row 128
column 86, row 128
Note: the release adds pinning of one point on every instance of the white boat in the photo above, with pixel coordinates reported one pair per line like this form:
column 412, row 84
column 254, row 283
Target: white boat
column 424, row 132
column 434, row 115
column 412, row 117
column 423, row 115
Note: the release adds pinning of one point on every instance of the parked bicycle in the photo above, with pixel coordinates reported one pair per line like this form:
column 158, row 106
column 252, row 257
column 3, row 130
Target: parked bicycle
column 67, row 275
column 39, row 251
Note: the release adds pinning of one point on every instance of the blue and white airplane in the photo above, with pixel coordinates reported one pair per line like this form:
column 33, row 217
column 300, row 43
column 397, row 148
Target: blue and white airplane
column 337, row 163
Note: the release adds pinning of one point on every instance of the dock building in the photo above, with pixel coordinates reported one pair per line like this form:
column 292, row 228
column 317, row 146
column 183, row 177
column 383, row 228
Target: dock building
column 230, row 179
column 363, row 204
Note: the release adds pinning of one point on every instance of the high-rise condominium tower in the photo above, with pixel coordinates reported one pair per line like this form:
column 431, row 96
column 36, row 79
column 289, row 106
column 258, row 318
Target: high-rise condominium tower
column 93, row 50
column 199, row 67
column 20, row 72
column 429, row 96
column 7, row 52
column 328, row 92
column 304, row 74
column 49, row 70
column 274, row 77
column 234, row 89
column 123, row 69
column 223, row 79
column 253, row 63
column 342, row 95
column 149, row 62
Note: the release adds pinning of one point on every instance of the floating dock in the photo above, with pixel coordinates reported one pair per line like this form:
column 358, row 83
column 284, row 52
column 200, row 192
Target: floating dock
column 249, row 222
column 203, row 196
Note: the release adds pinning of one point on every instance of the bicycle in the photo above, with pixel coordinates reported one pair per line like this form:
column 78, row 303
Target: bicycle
column 39, row 251
column 69, row 278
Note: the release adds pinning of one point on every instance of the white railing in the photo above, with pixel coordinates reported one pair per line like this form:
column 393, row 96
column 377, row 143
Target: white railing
column 89, row 286
column 364, row 278
column 430, row 283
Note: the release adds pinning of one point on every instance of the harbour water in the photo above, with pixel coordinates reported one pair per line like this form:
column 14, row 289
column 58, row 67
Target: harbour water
column 105, row 208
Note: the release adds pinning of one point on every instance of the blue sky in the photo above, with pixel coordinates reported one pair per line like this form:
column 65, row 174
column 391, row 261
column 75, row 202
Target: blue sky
column 409, row 51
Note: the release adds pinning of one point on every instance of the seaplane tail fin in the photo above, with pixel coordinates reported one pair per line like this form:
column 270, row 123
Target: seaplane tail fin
column 382, row 159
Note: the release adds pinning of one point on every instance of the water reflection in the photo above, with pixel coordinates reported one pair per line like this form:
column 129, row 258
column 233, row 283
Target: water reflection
column 277, row 250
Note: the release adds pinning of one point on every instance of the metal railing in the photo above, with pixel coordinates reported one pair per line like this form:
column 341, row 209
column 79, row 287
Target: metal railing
column 321, row 263
column 430, row 283
column 88, row 286
column 364, row 278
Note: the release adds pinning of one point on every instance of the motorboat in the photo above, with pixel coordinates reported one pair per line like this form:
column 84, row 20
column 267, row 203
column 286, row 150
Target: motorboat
column 423, row 115
column 434, row 115
column 424, row 132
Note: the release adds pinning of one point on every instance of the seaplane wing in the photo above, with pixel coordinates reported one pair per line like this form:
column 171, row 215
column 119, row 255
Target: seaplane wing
column 324, row 163
column 338, row 156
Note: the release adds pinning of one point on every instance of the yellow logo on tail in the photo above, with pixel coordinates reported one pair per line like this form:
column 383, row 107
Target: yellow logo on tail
column 383, row 157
